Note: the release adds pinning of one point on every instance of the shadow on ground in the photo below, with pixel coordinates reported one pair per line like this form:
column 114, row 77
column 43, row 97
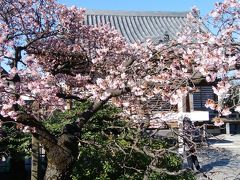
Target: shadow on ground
column 211, row 165
column 219, row 141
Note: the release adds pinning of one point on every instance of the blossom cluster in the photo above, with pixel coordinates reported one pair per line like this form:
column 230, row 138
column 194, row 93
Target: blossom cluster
column 49, row 48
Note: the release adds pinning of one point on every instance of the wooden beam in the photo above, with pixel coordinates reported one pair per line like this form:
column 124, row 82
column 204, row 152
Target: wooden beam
column 35, row 159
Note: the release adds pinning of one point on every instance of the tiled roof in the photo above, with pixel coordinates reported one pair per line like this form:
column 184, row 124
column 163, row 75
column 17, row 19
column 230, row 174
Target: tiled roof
column 138, row 26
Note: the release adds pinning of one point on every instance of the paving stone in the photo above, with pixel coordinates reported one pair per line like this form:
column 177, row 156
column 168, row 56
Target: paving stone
column 221, row 160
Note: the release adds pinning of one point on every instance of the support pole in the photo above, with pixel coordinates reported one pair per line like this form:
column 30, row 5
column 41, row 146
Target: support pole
column 191, row 105
column 228, row 128
column 35, row 159
column 68, row 101
column 181, row 109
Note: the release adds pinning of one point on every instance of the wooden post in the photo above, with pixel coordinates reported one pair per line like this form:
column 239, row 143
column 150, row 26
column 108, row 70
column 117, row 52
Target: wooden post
column 68, row 101
column 35, row 159
column 204, row 132
column 182, row 104
column 220, row 104
column 180, row 139
column 227, row 128
column 191, row 105
column 35, row 164
column 181, row 108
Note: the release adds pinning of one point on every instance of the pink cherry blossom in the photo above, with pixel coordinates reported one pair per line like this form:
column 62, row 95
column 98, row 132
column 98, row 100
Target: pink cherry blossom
column 237, row 109
column 218, row 123
column 54, row 57
column 226, row 112
column 61, row 58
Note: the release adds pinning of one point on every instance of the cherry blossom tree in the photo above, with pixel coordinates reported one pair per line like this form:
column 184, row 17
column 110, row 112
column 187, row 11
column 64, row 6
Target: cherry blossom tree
column 217, row 55
column 54, row 57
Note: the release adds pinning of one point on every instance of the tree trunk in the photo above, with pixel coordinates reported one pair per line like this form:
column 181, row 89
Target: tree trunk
column 54, row 172
column 61, row 158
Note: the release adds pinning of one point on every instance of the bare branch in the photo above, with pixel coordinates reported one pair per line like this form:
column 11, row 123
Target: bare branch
column 86, row 115
column 165, row 171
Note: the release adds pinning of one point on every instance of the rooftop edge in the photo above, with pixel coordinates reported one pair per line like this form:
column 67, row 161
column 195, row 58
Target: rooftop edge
column 136, row 13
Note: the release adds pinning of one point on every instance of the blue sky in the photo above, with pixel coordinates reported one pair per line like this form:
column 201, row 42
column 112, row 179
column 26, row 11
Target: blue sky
column 143, row 5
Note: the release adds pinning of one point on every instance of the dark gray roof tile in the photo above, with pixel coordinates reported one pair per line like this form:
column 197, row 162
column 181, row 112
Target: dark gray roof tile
column 137, row 26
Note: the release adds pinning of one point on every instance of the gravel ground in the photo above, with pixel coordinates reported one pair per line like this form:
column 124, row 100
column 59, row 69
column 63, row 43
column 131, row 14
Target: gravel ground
column 221, row 160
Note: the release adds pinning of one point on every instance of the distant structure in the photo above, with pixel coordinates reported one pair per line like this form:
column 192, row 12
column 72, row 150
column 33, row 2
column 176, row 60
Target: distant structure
column 138, row 26
column 160, row 27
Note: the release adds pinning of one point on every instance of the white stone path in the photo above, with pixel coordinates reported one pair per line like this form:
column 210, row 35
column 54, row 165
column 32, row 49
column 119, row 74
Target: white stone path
column 220, row 161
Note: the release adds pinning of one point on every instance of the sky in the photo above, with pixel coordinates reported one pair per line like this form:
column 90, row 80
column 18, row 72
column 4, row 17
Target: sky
column 143, row 5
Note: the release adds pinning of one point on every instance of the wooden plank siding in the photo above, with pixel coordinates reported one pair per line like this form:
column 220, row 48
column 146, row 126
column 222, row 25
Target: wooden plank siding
column 156, row 104
column 201, row 96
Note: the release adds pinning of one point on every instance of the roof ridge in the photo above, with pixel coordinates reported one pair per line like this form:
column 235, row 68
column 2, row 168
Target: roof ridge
column 136, row 13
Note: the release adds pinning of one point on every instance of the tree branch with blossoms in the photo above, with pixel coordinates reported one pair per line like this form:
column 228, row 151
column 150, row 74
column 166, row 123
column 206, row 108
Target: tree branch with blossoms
column 58, row 50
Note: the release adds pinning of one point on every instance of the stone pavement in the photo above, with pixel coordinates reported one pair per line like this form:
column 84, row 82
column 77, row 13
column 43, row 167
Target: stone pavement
column 221, row 160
